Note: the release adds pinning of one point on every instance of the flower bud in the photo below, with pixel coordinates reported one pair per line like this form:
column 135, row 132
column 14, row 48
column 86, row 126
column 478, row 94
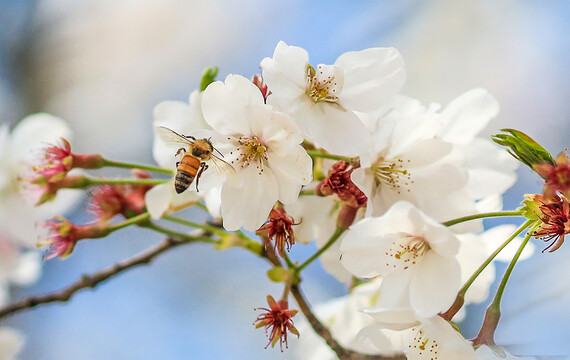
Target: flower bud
column 42, row 191
column 63, row 235
column 258, row 81
column 106, row 201
column 523, row 148
column 57, row 160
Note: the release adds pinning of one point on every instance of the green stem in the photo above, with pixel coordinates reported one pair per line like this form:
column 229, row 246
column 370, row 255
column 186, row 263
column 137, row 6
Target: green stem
column 460, row 299
column 290, row 264
column 320, row 154
column 201, row 206
column 482, row 216
column 505, row 279
column 180, row 235
column 338, row 232
column 130, row 221
column 136, row 166
column 486, row 334
column 208, row 228
column 103, row 181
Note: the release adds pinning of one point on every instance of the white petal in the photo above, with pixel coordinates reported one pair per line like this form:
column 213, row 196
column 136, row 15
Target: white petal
column 28, row 268
column 336, row 130
column 226, row 105
column 467, row 115
column 213, row 201
column 291, row 171
column 435, row 284
column 371, row 77
column 285, row 73
column 247, row 198
column 36, row 131
column 393, row 318
column 158, row 199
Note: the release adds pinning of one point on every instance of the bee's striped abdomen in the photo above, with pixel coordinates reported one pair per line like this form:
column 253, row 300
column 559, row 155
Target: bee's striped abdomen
column 187, row 170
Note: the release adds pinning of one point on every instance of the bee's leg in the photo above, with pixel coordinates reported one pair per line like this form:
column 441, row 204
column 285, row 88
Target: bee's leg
column 177, row 163
column 203, row 166
column 189, row 137
column 179, row 151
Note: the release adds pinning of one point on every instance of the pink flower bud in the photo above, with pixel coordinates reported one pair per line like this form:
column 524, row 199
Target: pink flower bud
column 62, row 235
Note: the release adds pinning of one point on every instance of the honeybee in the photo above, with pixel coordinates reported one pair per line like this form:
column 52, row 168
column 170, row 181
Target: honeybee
column 193, row 163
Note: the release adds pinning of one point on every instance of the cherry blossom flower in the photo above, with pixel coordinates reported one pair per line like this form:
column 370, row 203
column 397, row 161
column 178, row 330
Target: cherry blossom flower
column 409, row 163
column 322, row 100
column 416, row 255
column 261, row 144
column 277, row 321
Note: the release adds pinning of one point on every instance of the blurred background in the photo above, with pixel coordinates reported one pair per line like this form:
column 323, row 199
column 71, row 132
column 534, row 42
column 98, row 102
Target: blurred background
column 103, row 65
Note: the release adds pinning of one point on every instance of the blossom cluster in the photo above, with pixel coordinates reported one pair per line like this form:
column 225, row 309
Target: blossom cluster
column 408, row 167
column 391, row 191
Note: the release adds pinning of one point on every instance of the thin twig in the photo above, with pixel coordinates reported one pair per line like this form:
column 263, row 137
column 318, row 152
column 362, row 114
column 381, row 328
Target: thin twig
column 90, row 281
column 342, row 352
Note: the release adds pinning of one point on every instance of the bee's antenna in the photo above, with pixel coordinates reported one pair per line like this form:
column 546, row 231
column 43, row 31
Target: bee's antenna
column 218, row 151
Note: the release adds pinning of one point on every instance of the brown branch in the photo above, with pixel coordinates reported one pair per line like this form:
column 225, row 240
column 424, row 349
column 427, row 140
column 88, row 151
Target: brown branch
column 342, row 352
column 90, row 281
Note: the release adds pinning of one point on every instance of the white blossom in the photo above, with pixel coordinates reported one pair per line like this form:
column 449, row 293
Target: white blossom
column 408, row 162
column 322, row 100
column 415, row 254
column 262, row 145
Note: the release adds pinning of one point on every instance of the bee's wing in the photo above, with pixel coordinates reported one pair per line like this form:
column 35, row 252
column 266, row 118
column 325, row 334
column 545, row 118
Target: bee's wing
column 221, row 166
column 171, row 137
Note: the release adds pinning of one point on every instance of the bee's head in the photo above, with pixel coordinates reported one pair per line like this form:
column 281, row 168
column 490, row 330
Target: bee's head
column 202, row 149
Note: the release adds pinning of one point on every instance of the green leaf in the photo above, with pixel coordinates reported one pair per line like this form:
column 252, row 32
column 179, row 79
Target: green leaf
column 208, row 77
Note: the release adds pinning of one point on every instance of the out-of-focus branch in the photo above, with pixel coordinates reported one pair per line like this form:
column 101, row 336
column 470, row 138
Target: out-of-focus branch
column 342, row 352
column 90, row 281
